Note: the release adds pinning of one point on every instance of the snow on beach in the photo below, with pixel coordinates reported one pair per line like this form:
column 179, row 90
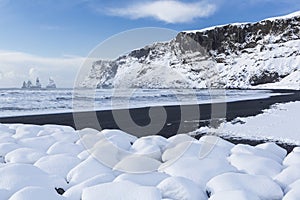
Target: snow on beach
column 58, row 162
column 280, row 123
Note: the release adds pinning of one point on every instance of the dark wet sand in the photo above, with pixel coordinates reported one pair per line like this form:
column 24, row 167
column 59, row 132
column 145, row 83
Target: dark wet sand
column 140, row 116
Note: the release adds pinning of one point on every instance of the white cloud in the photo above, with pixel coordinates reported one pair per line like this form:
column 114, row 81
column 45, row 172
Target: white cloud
column 170, row 11
column 17, row 67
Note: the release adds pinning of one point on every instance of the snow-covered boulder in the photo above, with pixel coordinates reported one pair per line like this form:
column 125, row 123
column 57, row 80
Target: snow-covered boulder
column 8, row 131
column 7, row 147
column 273, row 148
column 41, row 143
column 288, row 176
column 65, row 148
column 137, row 164
column 179, row 138
column 234, row 194
column 71, row 137
column 151, row 146
column 58, row 164
column 24, row 155
column 198, row 170
column 292, row 191
column 151, row 151
column 26, row 131
column 121, row 190
column 144, row 179
column 183, row 149
column 262, row 186
column 256, row 165
column 157, row 140
column 247, row 149
column 292, row 158
column 87, row 169
column 296, row 150
column 293, row 194
column 6, row 139
column 75, row 191
column 179, row 188
column 119, row 138
column 17, row 176
column 195, row 149
column 216, row 141
column 35, row 193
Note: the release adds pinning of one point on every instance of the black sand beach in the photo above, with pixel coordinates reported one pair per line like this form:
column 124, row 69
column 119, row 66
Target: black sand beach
column 140, row 116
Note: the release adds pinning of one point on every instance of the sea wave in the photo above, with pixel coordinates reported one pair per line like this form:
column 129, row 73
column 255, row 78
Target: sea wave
column 23, row 102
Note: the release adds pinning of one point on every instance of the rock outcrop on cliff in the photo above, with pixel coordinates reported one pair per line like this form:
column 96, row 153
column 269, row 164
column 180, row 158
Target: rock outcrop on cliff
column 246, row 55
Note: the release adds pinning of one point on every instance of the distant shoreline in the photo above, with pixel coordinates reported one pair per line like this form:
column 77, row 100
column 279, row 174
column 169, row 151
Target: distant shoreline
column 15, row 88
column 83, row 88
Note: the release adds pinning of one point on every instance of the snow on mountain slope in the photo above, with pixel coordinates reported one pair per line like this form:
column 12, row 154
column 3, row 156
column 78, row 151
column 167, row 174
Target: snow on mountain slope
column 242, row 55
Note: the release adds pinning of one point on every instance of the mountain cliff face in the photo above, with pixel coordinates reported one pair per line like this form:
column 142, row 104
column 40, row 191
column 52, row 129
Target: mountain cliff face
column 248, row 55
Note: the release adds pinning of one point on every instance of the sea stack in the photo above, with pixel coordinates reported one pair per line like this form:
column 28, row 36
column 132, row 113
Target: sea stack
column 51, row 84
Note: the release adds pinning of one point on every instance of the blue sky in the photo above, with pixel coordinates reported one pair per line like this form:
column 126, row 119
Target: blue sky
column 52, row 37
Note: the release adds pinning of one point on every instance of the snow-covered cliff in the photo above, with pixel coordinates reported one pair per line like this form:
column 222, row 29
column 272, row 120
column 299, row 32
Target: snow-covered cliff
column 247, row 55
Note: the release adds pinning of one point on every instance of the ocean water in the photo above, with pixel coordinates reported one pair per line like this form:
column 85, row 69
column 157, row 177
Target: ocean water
column 18, row 102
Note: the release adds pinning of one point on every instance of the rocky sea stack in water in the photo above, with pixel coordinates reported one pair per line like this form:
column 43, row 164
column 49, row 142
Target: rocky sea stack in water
column 247, row 55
